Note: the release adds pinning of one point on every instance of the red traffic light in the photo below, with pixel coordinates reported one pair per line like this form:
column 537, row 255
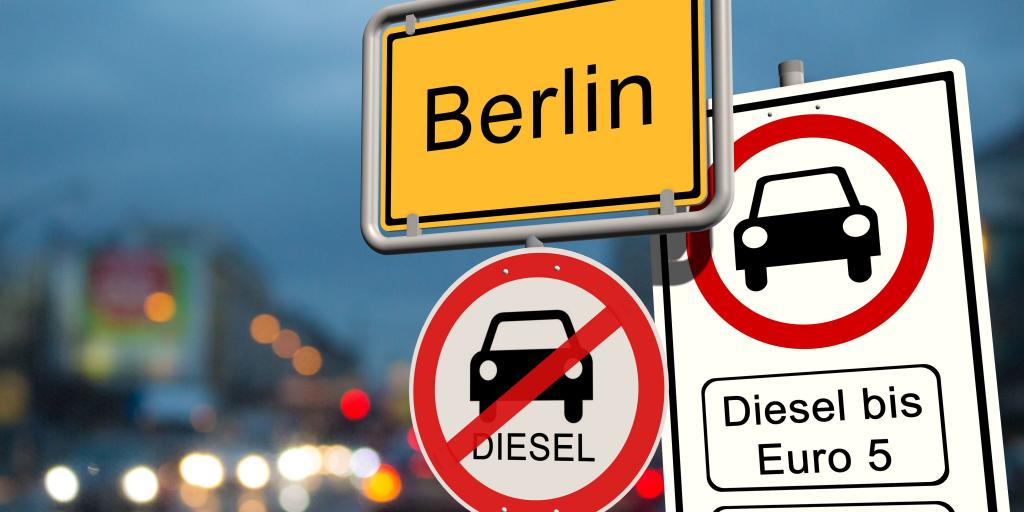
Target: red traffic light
column 355, row 404
column 650, row 485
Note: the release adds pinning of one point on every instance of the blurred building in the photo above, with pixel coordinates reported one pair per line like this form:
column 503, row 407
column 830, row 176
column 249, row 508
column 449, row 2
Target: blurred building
column 151, row 320
column 21, row 299
column 1001, row 185
column 148, row 333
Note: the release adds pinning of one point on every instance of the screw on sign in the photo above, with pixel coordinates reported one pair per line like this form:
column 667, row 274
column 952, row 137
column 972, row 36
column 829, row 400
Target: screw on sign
column 538, row 384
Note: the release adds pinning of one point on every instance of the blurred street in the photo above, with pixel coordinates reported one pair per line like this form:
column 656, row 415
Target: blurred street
column 154, row 369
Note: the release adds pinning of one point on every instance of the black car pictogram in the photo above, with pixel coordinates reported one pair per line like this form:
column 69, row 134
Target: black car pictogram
column 493, row 372
column 848, row 232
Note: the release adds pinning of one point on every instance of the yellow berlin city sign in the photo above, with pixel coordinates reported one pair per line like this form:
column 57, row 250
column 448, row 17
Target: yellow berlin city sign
column 543, row 109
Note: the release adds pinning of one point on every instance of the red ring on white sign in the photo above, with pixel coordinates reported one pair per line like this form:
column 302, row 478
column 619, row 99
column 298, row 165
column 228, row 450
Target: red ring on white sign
column 916, row 251
column 623, row 472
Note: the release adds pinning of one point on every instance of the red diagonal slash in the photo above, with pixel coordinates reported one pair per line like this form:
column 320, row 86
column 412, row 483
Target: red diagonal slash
column 540, row 378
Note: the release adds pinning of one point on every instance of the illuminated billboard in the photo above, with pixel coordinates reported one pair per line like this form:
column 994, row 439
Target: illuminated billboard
column 126, row 314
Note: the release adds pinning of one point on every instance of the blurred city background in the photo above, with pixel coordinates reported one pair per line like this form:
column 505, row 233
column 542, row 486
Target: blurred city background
column 189, row 318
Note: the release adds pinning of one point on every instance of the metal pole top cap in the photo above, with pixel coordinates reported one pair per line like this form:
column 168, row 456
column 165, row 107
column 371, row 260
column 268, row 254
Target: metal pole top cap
column 791, row 66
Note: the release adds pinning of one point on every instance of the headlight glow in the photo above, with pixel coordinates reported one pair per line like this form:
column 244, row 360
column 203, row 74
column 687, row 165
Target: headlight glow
column 338, row 461
column 293, row 498
column 299, row 463
column 253, row 472
column 365, row 462
column 202, row 470
column 383, row 486
column 61, row 484
column 140, row 485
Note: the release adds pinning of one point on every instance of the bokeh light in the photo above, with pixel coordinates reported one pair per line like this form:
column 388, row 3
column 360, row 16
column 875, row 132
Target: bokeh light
column 383, row 486
column 984, row 242
column 651, row 484
column 355, row 404
column 159, row 307
column 203, row 418
column 192, row 496
column 264, row 328
column 252, row 505
column 140, row 485
column 286, row 343
column 307, row 361
column 202, row 470
column 365, row 462
column 293, row 498
column 298, row 463
column 253, row 472
column 14, row 396
column 418, row 467
column 338, row 461
column 410, row 438
column 61, row 484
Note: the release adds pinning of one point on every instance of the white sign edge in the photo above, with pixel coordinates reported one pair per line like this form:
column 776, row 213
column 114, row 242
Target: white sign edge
column 977, row 257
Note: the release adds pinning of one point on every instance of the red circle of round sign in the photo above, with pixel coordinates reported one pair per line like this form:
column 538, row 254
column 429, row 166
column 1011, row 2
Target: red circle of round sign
column 916, row 250
column 621, row 309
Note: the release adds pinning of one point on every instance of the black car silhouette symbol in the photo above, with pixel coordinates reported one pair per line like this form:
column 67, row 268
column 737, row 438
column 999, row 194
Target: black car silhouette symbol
column 493, row 372
column 848, row 232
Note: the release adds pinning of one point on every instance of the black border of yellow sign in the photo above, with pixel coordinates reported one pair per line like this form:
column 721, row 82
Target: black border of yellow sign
column 698, row 106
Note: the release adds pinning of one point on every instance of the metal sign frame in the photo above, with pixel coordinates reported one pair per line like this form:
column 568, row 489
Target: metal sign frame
column 669, row 220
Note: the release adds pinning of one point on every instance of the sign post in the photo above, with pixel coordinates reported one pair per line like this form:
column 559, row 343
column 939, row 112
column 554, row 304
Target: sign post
column 539, row 110
column 831, row 349
column 538, row 384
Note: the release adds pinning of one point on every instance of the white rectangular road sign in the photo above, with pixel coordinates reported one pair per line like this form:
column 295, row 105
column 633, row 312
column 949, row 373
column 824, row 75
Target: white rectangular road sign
column 831, row 349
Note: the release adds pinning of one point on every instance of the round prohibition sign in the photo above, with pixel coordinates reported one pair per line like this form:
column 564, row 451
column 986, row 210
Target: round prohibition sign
column 916, row 250
column 620, row 309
